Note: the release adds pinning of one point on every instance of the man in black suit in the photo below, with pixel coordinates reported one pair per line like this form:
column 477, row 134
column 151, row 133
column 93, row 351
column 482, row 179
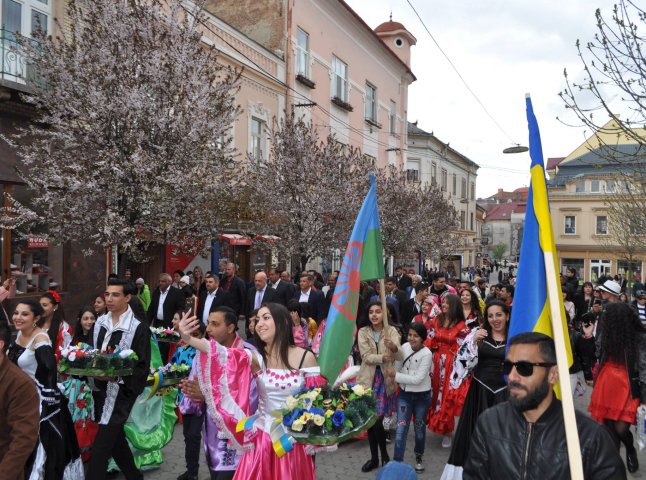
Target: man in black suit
column 413, row 306
column 260, row 293
column 165, row 301
column 314, row 298
column 402, row 279
column 213, row 298
column 396, row 293
column 284, row 290
column 236, row 287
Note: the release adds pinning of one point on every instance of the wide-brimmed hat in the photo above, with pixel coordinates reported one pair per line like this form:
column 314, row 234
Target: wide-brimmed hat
column 611, row 287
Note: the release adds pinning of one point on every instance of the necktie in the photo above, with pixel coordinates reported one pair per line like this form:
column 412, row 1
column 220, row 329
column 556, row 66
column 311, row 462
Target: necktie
column 258, row 299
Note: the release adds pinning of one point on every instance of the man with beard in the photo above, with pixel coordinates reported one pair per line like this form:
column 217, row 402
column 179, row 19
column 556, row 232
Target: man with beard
column 525, row 437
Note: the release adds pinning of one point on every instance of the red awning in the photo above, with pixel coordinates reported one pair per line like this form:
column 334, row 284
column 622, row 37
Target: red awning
column 236, row 239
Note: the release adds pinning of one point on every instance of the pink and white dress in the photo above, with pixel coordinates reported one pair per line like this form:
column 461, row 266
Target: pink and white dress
column 224, row 380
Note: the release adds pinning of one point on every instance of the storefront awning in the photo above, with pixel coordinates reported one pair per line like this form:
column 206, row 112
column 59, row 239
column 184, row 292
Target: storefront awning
column 236, row 239
column 267, row 238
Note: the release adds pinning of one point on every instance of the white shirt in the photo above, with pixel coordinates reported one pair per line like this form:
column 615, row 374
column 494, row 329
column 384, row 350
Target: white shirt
column 125, row 320
column 414, row 374
column 305, row 296
column 207, row 305
column 160, row 307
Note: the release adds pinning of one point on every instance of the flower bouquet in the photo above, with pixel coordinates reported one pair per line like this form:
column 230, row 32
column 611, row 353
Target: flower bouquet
column 167, row 335
column 86, row 361
column 168, row 375
column 327, row 416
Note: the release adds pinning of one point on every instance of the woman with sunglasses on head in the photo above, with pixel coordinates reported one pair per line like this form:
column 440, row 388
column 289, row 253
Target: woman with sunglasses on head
column 446, row 334
column 471, row 308
column 482, row 354
column 430, row 310
column 56, row 456
column 620, row 386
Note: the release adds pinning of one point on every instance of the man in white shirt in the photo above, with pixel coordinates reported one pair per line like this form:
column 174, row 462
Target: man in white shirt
column 315, row 298
column 213, row 298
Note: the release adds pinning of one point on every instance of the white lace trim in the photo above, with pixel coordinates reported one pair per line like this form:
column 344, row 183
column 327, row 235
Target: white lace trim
column 111, row 393
column 38, row 469
column 74, row 470
column 452, row 472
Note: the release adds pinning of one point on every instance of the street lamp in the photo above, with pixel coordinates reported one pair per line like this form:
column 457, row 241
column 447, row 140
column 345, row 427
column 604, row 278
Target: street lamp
column 517, row 148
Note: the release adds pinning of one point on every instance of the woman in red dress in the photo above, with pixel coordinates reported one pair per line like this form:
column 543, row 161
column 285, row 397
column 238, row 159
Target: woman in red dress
column 621, row 381
column 446, row 334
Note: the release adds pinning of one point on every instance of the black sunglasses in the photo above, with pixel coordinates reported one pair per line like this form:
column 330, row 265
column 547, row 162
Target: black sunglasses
column 524, row 369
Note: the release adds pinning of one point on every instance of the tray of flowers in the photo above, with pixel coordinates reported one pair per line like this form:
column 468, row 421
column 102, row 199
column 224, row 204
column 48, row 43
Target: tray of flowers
column 327, row 415
column 168, row 375
column 166, row 335
column 86, row 361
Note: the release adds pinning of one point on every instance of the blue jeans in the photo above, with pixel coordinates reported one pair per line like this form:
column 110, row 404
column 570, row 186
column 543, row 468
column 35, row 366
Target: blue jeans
column 411, row 403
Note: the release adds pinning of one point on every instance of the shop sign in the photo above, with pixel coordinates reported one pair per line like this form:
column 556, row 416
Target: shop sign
column 37, row 242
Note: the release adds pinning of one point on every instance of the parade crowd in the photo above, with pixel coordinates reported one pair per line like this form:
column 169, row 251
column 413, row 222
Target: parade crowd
column 440, row 358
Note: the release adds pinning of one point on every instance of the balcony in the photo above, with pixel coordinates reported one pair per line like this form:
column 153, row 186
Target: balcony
column 15, row 72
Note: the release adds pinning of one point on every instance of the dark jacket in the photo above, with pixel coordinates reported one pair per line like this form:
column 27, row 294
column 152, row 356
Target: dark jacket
column 285, row 291
column 270, row 295
column 238, row 290
column 222, row 299
column 316, row 301
column 175, row 301
column 113, row 401
column 505, row 446
column 583, row 358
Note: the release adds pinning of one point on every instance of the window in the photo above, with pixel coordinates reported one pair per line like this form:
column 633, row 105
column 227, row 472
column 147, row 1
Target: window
column 602, row 225
column 623, row 267
column 473, row 191
column 570, row 225
column 444, row 180
column 257, row 139
column 433, row 174
column 471, row 222
column 455, row 184
column 371, row 103
column 462, row 220
column 594, row 186
column 339, row 80
column 392, row 118
column 580, row 187
column 302, row 53
column 463, row 188
column 576, row 263
column 610, row 186
column 599, row 268
column 412, row 170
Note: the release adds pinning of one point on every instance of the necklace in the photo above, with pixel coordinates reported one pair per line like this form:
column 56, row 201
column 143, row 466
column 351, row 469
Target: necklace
column 499, row 343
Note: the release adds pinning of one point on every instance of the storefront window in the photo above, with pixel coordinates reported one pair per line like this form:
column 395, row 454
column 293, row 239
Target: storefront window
column 577, row 263
column 623, row 267
column 36, row 263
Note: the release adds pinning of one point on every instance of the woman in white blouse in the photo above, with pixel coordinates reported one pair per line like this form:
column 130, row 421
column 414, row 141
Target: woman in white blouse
column 414, row 398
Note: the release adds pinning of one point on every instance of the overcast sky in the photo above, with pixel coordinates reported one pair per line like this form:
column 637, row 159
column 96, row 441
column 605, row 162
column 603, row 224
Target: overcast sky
column 503, row 49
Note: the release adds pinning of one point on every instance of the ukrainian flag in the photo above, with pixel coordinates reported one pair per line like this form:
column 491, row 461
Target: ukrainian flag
column 531, row 307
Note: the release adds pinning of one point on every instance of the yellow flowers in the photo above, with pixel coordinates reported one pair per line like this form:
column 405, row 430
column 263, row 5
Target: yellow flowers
column 291, row 402
column 298, row 425
column 318, row 420
column 359, row 390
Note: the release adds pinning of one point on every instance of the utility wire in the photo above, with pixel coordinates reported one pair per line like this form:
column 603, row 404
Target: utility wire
column 455, row 69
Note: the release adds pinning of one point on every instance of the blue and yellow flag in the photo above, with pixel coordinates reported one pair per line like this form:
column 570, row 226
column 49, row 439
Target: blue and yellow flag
column 531, row 308
column 363, row 260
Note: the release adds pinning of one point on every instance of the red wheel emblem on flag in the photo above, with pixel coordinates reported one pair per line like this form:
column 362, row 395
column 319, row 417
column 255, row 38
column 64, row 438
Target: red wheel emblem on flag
column 346, row 292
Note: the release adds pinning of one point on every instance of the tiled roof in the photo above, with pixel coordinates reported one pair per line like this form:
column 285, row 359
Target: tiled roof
column 503, row 211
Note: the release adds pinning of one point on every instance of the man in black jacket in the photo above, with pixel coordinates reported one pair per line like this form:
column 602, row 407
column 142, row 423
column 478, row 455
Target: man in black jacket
column 165, row 301
column 525, row 437
column 212, row 298
column 236, row 287
column 115, row 397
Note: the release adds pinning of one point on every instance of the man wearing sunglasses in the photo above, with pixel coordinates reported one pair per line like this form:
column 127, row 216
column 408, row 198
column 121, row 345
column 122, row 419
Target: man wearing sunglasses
column 524, row 438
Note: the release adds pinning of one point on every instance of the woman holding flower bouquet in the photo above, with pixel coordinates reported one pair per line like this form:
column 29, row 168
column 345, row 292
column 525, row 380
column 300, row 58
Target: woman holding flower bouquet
column 281, row 370
column 378, row 346
column 56, row 456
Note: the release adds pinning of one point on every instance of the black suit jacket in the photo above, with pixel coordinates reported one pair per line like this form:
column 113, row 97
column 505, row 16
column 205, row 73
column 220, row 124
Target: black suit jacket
column 222, row 299
column 270, row 295
column 284, row 291
column 175, row 301
column 408, row 311
column 404, row 282
column 316, row 302
column 238, row 291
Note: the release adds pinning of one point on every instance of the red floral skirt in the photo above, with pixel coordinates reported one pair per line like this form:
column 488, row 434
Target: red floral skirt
column 611, row 398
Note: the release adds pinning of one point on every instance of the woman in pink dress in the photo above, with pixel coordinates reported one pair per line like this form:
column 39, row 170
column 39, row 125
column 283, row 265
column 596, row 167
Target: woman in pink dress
column 446, row 334
column 280, row 368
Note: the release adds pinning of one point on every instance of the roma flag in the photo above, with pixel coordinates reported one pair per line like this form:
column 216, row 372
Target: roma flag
column 531, row 308
column 363, row 260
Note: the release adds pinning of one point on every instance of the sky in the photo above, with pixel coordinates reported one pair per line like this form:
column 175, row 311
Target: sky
column 503, row 49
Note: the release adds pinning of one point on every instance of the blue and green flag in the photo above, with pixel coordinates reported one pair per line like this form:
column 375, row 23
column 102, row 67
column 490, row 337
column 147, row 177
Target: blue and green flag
column 363, row 260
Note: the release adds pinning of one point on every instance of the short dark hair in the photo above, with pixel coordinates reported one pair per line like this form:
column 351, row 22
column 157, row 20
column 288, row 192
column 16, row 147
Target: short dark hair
column 128, row 287
column 421, row 286
column 509, row 288
column 5, row 336
column 419, row 329
column 571, row 270
column 230, row 317
column 391, row 280
column 310, row 278
column 437, row 276
column 545, row 344
column 214, row 277
column 179, row 272
column 294, row 306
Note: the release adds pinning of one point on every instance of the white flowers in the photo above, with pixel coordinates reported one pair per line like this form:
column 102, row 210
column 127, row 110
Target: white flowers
column 291, row 402
column 359, row 390
column 125, row 353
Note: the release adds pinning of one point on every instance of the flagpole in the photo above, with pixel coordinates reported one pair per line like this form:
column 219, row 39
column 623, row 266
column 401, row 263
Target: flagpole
column 384, row 306
column 567, row 402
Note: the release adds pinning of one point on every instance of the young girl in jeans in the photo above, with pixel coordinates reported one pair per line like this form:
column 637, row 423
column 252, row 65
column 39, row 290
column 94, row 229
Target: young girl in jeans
column 414, row 397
